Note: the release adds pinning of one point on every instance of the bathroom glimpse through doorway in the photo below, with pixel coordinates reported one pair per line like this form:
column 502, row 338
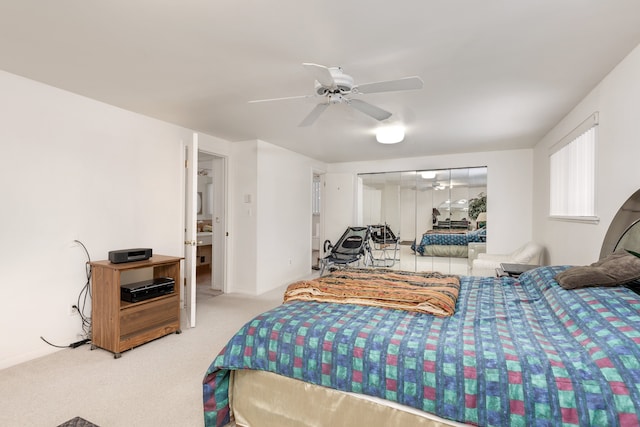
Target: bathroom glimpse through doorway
column 210, row 220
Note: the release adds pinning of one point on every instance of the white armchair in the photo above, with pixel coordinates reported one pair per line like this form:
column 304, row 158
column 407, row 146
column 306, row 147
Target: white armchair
column 486, row 264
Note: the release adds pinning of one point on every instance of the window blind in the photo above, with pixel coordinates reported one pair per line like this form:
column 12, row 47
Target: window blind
column 315, row 201
column 572, row 172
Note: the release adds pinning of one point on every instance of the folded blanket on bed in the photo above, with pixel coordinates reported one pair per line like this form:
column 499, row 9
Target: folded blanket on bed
column 427, row 292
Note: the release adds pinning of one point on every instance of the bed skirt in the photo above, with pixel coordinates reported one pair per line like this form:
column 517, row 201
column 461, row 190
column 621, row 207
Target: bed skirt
column 455, row 251
column 264, row 399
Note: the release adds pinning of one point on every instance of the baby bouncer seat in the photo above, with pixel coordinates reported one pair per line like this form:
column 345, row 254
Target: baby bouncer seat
column 352, row 247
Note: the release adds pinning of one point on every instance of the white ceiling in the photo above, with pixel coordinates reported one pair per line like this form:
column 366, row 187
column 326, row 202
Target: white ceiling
column 497, row 74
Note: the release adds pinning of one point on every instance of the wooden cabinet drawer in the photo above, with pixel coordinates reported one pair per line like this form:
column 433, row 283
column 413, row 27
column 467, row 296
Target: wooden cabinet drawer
column 147, row 315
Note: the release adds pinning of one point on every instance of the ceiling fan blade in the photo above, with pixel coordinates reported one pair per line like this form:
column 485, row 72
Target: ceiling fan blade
column 322, row 75
column 286, row 98
column 370, row 110
column 407, row 83
column 313, row 115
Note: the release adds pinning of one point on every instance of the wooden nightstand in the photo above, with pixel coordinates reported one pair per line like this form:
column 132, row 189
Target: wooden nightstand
column 119, row 325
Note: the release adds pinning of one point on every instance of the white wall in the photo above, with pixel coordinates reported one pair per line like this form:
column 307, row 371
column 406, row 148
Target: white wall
column 272, row 233
column 340, row 204
column 509, row 189
column 423, row 222
column 617, row 98
column 284, row 225
column 371, row 205
column 243, row 202
column 73, row 168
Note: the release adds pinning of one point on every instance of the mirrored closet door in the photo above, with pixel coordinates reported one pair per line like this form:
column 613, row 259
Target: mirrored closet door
column 427, row 220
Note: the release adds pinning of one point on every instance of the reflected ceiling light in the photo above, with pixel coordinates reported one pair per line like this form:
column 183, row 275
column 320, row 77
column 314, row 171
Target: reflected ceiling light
column 390, row 134
column 428, row 174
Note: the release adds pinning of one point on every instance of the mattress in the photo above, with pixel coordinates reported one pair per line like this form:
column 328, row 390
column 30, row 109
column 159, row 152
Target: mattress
column 454, row 251
column 265, row 399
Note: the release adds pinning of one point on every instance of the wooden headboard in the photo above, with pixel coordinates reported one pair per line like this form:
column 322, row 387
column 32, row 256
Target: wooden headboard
column 624, row 231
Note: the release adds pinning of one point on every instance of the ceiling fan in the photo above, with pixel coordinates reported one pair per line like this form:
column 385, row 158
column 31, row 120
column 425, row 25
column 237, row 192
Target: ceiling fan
column 336, row 87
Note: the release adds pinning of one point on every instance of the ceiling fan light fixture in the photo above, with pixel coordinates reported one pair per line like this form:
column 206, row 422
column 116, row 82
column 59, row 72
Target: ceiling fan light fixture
column 390, row 134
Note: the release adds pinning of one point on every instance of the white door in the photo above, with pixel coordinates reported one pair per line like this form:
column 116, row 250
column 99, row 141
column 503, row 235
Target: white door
column 190, row 237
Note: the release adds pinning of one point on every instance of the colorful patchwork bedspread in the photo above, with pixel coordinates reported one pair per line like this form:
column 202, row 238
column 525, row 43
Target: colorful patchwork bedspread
column 519, row 352
column 455, row 239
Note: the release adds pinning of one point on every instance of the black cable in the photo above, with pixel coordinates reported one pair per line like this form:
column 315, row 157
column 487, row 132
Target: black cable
column 54, row 345
column 72, row 345
column 83, row 296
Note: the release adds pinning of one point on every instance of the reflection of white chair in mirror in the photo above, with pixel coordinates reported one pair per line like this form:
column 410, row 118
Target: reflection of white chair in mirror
column 486, row 264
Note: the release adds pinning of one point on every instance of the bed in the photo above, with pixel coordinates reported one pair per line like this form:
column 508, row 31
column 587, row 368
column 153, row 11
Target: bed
column 452, row 225
column 522, row 351
column 448, row 243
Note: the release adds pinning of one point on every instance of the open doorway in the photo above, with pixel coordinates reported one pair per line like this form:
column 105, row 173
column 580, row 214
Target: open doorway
column 210, row 224
column 204, row 200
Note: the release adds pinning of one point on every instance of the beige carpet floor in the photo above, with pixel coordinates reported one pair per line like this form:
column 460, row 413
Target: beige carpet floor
column 156, row 384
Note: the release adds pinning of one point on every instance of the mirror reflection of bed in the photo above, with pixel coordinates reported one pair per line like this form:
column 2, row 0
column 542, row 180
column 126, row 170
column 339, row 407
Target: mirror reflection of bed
column 432, row 212
column 513, row 351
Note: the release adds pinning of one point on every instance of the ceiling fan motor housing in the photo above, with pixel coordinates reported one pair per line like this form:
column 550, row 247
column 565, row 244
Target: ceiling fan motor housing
column 343, row 82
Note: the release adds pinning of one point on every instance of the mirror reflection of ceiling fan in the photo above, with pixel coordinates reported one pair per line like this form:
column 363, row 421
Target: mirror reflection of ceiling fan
column 333, row 86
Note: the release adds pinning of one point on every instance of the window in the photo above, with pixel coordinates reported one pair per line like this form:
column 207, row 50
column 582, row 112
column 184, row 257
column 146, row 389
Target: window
column 572, row 169
column 315, row 195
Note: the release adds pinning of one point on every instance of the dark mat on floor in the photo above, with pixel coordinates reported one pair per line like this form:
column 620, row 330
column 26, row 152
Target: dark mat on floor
column 77, row 422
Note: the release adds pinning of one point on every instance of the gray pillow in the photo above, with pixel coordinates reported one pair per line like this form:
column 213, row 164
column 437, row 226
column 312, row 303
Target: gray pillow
column 617, row 269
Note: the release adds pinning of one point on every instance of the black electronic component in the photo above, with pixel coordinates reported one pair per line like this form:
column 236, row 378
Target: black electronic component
column 129, row 255
column 140, row 291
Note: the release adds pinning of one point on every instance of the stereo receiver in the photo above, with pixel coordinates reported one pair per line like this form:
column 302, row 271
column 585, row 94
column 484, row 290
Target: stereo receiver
column 140, row 291
column 129, row 255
